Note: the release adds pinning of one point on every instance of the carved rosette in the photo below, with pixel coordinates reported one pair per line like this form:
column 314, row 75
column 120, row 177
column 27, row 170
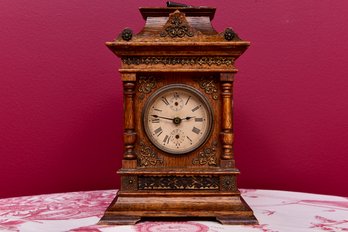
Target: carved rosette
column 203, row 182
column 177, row 26
column 207, row 156
column 228, row 183
column 230, row 35
column 213, row 60
column 127, row 34
column 147, row 156
column 145, row 85
column 129, row 183
column 210, row 86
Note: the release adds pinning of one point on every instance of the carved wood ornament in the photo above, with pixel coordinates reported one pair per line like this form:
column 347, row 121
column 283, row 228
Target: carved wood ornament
column 178, row 158
column 177, row 26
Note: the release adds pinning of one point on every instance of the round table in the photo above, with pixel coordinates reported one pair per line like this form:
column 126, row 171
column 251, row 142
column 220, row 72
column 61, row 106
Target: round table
column 80, row 211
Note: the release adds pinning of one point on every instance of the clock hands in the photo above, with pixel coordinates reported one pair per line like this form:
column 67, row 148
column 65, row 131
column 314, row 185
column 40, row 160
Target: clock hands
column 175, row 120
column 156, row 116
column 188, row 118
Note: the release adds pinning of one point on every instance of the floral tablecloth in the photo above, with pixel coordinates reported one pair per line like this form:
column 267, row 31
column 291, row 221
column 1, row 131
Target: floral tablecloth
column 80, row 211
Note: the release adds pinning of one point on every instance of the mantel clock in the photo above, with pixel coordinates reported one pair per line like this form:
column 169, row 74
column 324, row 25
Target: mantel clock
column 178, row 159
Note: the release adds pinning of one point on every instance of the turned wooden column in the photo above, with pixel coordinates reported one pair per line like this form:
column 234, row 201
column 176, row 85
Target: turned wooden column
column 129, row 125
column 226, row 122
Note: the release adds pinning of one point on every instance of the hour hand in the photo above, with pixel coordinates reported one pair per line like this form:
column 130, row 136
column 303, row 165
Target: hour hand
column 157, row 116
column 188, row 118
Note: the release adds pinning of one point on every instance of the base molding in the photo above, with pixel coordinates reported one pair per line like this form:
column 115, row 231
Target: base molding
column 229, row 210
column 118, row 220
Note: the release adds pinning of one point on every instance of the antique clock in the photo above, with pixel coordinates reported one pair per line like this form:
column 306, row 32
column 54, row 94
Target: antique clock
column 178, row 159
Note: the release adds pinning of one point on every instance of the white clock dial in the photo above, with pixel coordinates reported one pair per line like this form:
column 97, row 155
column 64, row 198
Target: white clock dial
column 177, row 119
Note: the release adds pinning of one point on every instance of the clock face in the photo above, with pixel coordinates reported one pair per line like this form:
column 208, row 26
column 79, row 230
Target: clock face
column 177, row 119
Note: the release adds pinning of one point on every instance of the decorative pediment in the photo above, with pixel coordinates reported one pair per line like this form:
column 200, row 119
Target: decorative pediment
column 177, row 26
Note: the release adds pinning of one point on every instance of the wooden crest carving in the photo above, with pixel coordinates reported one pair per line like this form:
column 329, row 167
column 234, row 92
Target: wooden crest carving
column 177, row 26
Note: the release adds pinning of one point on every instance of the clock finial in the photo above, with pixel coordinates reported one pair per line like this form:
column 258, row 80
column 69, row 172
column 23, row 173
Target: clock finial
column 176, row 4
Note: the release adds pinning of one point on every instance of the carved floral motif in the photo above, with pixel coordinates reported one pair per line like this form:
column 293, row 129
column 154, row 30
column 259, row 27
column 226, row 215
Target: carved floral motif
column 213, row 60
column 177, row 26
column 228, row 183
column 129, row 183
column 207, row 156
column 229, row 34
column 146, row 84
column 210, row 86
column 147, row 156
column 127, row 34
column 204, row 182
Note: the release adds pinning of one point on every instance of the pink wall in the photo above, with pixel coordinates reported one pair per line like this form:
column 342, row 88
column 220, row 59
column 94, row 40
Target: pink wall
column 61, row 99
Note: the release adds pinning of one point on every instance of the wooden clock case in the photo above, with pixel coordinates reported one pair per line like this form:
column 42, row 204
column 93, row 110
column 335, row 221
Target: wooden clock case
column 178, row 45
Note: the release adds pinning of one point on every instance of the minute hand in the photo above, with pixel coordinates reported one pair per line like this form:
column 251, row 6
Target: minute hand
column 156, row 116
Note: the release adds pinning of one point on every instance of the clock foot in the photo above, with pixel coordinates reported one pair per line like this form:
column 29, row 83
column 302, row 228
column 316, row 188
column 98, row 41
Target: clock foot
column 230, row 220
column 118, row 220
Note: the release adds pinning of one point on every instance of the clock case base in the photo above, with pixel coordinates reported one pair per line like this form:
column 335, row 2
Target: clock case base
column 228, row 210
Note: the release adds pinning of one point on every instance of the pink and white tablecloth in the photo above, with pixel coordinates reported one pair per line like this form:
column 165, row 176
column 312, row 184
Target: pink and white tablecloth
column 79, row 211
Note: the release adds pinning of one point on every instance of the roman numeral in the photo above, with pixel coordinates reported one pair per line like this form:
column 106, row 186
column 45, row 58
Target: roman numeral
column 158, row 110
column 166, row 139
column 155, row 120
column 165, row 100
column 196, row 130
column 187, row 100
column 189, row 139
column 198, row 119
column 158, row 131
column 196, row 108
